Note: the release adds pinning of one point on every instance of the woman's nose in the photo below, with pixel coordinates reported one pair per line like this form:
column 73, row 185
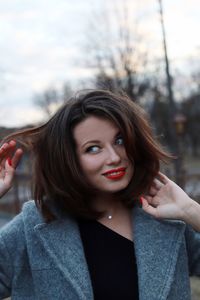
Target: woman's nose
column 112, row 156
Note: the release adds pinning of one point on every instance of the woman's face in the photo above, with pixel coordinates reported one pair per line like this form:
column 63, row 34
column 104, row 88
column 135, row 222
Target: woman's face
column 102, row 155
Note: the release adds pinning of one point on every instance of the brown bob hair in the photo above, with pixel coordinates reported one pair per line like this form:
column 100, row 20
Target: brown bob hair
column 58, row 179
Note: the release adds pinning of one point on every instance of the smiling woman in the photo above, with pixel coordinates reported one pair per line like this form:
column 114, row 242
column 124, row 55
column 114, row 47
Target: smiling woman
column 89, row 121
column 86, row 236
column 102, row 157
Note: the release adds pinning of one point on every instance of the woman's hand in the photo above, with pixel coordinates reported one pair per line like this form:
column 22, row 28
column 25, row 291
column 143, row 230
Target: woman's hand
column 166, row 199
column 9, row 159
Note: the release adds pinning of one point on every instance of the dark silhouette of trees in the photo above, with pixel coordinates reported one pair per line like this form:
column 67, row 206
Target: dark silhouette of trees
column 191, row 109
column 159, row 113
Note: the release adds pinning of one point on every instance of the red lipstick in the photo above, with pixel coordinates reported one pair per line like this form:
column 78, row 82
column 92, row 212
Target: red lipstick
column 115, row 174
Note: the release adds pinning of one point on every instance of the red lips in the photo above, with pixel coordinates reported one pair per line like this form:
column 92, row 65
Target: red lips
column 114, row 170
column 115, row 173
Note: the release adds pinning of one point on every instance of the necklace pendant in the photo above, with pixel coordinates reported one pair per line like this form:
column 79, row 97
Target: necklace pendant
column 110, row 217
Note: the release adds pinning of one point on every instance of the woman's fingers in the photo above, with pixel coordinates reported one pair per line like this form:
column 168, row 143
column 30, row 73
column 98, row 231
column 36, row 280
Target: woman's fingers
column 155, row 187
column 163, row 178
column 7, row 149
column 3, row 151
column 152, row 191
column 6, row 178
column 9, row 174
column 9, row 159
column 5, row 146
column 16, row 158
column 157, row 184
column 148, row 207
column 6, row 152
column 153, row 201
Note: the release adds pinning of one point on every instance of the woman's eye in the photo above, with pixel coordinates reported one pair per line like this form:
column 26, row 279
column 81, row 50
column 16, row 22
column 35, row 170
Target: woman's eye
column 92, row 149
column 119, row 141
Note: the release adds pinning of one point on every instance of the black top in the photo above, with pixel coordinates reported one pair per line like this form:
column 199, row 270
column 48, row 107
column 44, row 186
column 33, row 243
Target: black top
column 111, row 262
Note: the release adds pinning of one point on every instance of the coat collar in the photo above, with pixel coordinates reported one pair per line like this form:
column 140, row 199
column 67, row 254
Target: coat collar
column 156, row 244
column 62, row 242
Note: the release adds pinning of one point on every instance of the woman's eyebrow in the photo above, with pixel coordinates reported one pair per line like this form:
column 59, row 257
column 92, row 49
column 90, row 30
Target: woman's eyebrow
column 90, row 141
column 97, row 141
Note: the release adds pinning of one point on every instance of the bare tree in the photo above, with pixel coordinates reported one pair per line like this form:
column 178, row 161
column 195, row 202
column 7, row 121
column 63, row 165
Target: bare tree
column 116, row 50
column 46, row 100
column 52, row 98
column 191, row 109
column 196, row 80
column 66, row 92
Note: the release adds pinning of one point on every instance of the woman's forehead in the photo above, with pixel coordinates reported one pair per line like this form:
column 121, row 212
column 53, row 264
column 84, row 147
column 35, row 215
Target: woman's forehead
column 94, row 128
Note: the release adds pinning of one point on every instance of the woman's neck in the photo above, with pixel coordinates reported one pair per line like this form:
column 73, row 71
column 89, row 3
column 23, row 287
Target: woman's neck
column 110, row 206
column 116, row 216
column 106, row 202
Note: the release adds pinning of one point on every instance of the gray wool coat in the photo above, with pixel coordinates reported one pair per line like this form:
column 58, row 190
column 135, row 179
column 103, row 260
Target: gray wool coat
column 46, row 261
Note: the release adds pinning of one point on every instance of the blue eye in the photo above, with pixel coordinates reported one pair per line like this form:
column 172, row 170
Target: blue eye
column 92, row 149
column 119, row 141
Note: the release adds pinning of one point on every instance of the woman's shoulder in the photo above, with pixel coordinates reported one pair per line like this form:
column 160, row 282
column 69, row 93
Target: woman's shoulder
column 28, row 215
column 31, row 213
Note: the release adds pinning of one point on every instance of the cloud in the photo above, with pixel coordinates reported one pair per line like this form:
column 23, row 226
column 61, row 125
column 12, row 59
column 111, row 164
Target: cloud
column 20, row 116
column 41, row 43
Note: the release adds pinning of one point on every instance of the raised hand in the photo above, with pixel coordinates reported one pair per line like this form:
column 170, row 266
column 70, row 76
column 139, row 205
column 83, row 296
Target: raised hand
column 9, row 159
column 166, row 199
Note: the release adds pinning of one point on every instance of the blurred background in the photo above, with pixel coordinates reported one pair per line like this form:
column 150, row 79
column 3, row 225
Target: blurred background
column 147, row 48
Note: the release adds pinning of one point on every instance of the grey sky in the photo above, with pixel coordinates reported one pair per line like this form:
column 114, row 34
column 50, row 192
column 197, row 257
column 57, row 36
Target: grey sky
column 41, row 43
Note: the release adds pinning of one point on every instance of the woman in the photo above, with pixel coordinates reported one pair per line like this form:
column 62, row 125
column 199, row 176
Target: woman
column 85, row 236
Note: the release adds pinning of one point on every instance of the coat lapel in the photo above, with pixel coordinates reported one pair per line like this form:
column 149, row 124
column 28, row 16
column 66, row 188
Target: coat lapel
column 58, row 246
column 62, row 244
column 157, row 246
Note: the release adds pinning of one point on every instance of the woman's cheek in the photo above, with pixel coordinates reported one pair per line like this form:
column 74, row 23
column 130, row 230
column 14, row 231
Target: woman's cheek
column 91, row 164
